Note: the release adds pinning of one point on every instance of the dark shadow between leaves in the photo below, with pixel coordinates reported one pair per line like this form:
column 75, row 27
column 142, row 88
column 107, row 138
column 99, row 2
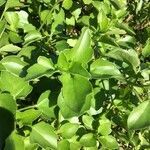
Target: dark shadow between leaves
column 6, row 125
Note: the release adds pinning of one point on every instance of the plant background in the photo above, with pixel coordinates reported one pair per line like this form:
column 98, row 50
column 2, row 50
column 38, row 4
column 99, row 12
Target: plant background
column 74, row 74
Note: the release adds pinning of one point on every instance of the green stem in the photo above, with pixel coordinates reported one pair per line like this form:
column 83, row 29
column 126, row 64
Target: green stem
column 28, row 107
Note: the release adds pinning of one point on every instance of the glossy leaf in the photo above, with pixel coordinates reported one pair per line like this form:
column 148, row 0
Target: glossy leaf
column 139, row 117
column 44, row 134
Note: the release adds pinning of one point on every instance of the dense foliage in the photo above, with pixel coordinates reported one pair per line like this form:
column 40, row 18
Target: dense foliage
column 74, row 74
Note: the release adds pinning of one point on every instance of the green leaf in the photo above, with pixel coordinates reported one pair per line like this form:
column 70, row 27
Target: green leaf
column 76, row 68
column 139, row 117
column 2, row 2
column 43, row 134
column 63, row 59
column 108, row 40
column 2, row 27
column 63, row 144
column 125, row 27
column 14, row 37
column 146, row 49
column 58, row 21
column 10, row 48
column 7, row 115
column 104, row 127
column 7, row 102
column 46, row 16
column 87, row 1
column 128, row 56
column 23, row 19
column 28, row 145
column 82, row 51
column 88, row 140
column 70, row 21
column 46, row 62
column 67, row 4
column 76, row 96
column 32, row 36
column 46, row 104
column 43, row 67
column 88, row 121
column 108, row 142
column 19, row 90
column 103, row 21
column 13, row 19
column 64, row 109
column 104, row 69
column 13, row 3
column 14, row 142
column 68, row 130
column 13, row 64
column 27, row 117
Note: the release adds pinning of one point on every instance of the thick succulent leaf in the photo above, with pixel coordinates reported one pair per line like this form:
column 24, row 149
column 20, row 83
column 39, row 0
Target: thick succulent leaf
column 44, row 134
column 104, row 69
column 19, row 89
column 139, row 117
column 82, row 51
